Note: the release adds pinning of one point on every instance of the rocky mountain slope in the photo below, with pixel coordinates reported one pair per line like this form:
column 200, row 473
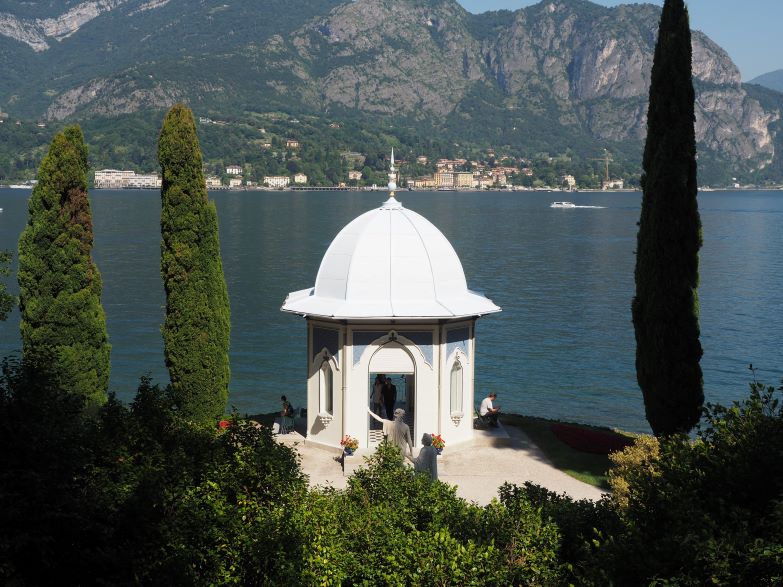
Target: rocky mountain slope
column 559, row 74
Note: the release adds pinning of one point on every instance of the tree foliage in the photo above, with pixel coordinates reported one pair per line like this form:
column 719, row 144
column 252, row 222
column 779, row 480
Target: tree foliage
column 197, row 325
column 665, row 307
column 63, row 325
column 707, row 511
column 142, row 494
column 7, row 300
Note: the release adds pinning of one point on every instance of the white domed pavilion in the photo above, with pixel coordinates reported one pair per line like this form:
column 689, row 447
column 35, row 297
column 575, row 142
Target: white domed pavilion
column 390, row 298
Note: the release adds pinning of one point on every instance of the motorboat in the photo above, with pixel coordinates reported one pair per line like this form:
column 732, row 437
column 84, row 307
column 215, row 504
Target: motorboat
column 562, row 205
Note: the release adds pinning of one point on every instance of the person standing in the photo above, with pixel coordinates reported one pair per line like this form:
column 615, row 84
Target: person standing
column 376, row 400
column 389, row 397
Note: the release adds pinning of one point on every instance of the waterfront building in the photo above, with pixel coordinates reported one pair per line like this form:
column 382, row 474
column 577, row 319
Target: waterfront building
column 300, row 179
column 499, row 175
column 484, row 181
column 145, row 181
column 354, row 175
column 235, row 182
column 424, row 182
column 390, row 299
column 277, row 181
column 612, row 184
column 463, row 179
column 112, row 179
column 234, row 170
column 444, row 179
column 213, row 182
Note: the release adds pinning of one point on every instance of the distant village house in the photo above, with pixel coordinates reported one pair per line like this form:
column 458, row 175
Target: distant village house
column 612, row 184
column 300, row 178
column 234, row 170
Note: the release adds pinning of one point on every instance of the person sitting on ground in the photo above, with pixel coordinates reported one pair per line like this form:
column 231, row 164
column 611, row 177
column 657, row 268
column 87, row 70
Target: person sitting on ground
column 397, row 431
column 488, row 411
column 427, row 461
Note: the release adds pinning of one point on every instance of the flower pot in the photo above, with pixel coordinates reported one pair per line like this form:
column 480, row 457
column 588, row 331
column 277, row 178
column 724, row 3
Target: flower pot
column 439, row 451
column 348, row 451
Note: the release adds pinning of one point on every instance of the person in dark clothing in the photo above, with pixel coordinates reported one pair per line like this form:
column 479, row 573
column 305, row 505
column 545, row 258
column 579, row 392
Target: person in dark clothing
column 389, row 398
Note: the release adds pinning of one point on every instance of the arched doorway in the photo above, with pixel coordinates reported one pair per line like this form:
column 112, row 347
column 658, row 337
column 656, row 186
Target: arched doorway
column 393, row 360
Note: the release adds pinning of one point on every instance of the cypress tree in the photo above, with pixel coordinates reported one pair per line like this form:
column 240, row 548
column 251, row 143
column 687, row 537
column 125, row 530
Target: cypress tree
column 197, row 325
column 63, row 325
column 665, row 309
column 6, row 300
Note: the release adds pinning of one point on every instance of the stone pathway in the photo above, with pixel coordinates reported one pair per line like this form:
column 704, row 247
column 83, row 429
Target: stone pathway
column 477, row 469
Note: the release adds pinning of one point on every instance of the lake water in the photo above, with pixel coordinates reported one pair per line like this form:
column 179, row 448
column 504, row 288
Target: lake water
column 563, row 347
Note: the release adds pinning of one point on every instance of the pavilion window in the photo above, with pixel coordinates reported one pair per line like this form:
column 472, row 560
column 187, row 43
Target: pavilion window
column 326, row 389
column 456, row 388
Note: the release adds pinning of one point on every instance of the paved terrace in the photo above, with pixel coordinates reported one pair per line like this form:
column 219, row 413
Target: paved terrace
column 477, row 469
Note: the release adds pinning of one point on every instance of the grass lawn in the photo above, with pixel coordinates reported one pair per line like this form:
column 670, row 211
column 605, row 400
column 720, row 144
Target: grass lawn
column 586, row 466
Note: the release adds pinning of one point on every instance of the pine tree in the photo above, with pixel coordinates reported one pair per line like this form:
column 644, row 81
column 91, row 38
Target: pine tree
column 197, row 325
column 665, row 309
column 63, row 325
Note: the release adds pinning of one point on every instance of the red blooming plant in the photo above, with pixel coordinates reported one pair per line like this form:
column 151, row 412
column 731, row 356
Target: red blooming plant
column 224, row 424
column 438, row 442
column 349, row 442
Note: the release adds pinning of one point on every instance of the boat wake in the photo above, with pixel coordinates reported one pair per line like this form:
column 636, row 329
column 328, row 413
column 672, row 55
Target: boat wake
column 595, row 207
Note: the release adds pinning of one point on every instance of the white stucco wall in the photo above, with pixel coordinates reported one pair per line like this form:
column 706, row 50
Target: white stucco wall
column 385, row 348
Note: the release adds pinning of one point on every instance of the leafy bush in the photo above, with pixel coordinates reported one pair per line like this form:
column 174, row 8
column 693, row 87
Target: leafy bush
column 706, row 510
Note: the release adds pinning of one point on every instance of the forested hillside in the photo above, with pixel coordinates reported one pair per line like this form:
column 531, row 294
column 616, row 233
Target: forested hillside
column 560, row 78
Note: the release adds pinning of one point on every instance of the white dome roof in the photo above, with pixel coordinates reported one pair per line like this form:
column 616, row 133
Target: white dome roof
column 389, row 263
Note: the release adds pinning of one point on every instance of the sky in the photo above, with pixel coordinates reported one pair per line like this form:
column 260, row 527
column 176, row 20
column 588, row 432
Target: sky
column 749, row 30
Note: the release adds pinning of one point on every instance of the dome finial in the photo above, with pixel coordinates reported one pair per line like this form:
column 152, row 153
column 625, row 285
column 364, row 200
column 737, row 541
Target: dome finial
column 392, row 176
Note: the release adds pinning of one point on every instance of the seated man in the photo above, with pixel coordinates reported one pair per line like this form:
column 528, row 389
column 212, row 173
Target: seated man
column 488, row 411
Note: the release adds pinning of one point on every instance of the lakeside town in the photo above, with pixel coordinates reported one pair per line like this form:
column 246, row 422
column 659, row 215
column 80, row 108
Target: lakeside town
column 450, row 174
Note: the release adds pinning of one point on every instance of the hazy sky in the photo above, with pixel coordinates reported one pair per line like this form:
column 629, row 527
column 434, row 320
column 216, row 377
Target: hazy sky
column 749, row 30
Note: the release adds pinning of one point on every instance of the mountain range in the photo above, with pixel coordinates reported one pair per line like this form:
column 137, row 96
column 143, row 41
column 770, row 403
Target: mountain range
column 559, row 75
column 772, row 80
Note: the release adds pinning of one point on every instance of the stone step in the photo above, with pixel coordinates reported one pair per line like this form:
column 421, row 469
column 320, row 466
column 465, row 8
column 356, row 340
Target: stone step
column 490, row 437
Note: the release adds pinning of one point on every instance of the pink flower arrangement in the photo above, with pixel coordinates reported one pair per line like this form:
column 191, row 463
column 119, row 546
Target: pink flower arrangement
column 349, row 442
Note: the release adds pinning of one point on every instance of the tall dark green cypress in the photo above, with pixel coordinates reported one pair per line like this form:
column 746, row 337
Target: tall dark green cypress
column 197, row 325
column 666, row 308
column 63, row 325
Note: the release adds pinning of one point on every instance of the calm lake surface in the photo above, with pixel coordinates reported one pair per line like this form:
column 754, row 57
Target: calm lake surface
column 563, row 347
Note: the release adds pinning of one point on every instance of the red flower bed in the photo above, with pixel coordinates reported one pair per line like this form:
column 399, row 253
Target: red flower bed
column 600, row 442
